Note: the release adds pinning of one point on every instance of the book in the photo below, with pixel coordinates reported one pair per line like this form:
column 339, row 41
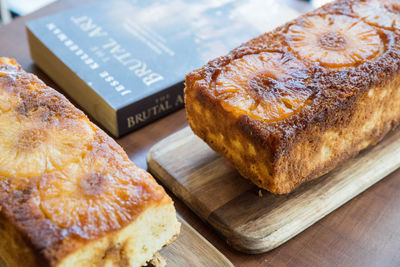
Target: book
column 124, row 61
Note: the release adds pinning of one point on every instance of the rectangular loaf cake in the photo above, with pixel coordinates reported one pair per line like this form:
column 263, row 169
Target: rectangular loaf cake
column 294, row 103
column 69, row 195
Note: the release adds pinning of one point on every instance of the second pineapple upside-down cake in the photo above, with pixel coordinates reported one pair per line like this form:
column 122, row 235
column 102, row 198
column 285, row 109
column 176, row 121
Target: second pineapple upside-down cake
column 292, row 104
column 69, row 195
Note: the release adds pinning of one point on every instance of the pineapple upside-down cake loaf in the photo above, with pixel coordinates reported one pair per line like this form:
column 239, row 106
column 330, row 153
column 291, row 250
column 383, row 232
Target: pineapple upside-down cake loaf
column 292, row 104
column 69, row 195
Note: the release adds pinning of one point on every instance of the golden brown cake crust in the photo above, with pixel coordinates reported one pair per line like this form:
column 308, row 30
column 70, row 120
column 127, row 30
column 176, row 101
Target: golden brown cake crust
column 334, row 98
column 87, row 187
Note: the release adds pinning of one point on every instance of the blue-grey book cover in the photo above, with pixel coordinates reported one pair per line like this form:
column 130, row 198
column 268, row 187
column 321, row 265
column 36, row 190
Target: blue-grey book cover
column 135, row 54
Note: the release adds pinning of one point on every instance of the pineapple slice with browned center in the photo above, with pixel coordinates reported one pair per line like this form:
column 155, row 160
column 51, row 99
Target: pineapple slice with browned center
column 334, row 40
column 382, row 13
column 268, row 86
column 37, row 135
column 102, row 192
column 33, row 148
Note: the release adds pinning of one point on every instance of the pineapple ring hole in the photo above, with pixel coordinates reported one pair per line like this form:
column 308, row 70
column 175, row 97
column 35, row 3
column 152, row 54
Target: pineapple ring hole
column 260, row 82
column 93, row 184
column 30, row 139
column 332, row 41
column 288, row 104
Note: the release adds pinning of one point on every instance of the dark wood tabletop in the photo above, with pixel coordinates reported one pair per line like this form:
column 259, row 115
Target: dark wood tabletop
column 363, row 232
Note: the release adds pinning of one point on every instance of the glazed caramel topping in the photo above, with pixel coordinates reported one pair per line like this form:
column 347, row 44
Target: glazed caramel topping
column 30, row 139
column 40, row 131
column 30, row 147
column 334, row 40
column 266, row 86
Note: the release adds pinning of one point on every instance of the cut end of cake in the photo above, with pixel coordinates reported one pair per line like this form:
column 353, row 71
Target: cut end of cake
column 137, row 244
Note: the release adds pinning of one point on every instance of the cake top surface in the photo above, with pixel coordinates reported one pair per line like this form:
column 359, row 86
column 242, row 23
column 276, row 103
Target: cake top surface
column 63, row 181
column 305, row 71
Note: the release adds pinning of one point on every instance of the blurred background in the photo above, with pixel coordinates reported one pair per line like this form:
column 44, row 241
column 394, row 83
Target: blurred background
column 10, row 9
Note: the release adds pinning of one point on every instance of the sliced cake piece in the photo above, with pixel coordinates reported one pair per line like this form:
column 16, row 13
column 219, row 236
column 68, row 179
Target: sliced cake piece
column 69, row 195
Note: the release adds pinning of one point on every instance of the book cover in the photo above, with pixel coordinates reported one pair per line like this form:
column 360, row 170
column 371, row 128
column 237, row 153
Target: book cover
column 124, row 61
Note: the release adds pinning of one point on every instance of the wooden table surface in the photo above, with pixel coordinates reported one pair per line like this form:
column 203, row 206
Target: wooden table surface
column 363, row 232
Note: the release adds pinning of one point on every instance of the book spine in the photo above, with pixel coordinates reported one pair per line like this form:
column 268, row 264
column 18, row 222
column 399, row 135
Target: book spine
column 149, row 109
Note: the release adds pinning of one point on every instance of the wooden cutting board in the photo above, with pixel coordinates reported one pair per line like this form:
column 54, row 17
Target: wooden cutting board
column 191, row 249
column 253, row 220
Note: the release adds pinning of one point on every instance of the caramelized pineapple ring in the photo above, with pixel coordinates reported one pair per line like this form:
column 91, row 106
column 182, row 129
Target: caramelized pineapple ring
column 94, row 195
column 40, row 132
column 267, row 86
column 334, row 40
column 383, row 13
column 31, row 147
